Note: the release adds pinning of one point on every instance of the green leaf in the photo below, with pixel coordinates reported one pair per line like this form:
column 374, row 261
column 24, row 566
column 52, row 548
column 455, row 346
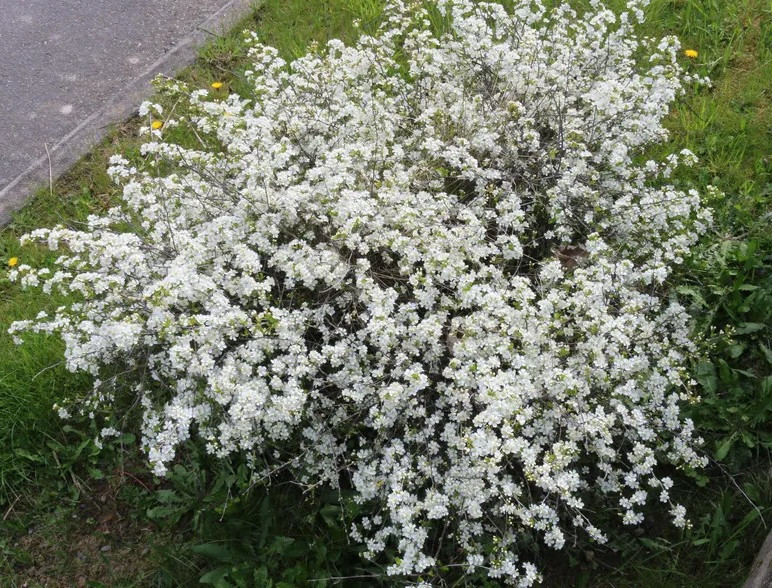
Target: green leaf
column 331, row 514
column 96, row 474
column 216, row 578
column 724, row 372
column 767, row 353
column 163, row 512
column 699, row 478
column 27, row 455
column 745, row 328
column 706, row 376
column 752, row 491
column 693, row 293
column 167, row 495
column 214, row 551
column 736, row 350
column 752, row 515
column 728, row 549
column 260, row 577
column 748, row 440
column 724, row 448
column 126, row 439
column 320, row 553
column 281, row 544
column 659, row 545
column 766, row 386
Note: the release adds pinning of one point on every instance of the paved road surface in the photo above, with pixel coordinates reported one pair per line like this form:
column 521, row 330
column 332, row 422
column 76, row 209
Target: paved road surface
column 61, row 61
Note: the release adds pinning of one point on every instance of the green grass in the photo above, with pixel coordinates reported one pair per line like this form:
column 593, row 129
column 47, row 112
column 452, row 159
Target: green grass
column 49, row 472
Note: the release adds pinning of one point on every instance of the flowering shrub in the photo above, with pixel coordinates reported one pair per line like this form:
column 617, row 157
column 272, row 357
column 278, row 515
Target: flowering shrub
column 429, row 267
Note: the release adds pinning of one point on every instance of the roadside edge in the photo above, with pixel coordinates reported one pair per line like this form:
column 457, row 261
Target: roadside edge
column 119, row 107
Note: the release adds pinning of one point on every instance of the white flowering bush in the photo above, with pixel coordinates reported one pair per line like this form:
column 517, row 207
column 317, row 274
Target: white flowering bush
column 429, row 267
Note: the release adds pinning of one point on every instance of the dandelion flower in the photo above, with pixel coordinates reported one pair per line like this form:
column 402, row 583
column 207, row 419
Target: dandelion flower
column 157, row 124
column 691, row 53
column 13, row 262
column 217, row 85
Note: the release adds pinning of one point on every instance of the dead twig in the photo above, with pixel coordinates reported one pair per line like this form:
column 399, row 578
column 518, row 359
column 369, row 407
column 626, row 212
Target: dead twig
column 10, row 509
column 50, row 172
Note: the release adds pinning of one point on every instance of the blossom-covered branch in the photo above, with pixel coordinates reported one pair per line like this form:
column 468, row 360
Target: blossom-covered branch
column 429, row 266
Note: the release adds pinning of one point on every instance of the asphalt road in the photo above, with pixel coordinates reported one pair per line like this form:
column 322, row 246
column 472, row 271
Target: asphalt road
column 61, row 61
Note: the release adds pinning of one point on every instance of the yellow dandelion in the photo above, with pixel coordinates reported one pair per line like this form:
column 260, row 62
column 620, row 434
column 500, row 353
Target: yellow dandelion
column 691, row 54
column 217, row 85
column 157, row 124
column 13, row 262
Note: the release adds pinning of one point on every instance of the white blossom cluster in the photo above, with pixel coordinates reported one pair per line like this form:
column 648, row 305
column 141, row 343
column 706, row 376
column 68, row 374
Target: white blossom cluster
column 429, row 266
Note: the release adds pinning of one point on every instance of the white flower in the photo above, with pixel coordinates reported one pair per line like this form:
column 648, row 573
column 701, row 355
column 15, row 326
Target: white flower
column 361, row 278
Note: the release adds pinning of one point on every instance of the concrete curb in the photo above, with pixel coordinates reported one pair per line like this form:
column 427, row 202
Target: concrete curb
column 123, row 103
column 761, row 570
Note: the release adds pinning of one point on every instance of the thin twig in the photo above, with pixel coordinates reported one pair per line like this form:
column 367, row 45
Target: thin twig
column 215, row 35
column 10, row 508
column 123, row 472
column 50, row 172
column 45, row 369
column 725, row 471
column 336, row 578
